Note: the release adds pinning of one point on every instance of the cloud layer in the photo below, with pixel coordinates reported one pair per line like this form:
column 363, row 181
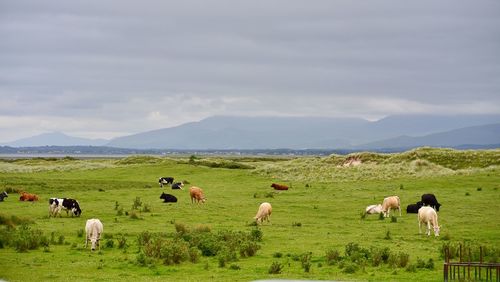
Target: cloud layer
column 101, row 69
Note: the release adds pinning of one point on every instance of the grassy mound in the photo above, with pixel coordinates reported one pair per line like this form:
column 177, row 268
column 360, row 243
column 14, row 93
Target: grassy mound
column 420, row 162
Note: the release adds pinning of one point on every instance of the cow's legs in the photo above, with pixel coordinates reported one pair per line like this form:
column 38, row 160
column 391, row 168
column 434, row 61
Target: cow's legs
column 429, row 228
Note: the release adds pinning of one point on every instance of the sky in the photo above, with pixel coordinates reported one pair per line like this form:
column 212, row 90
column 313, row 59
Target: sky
column 109, row 68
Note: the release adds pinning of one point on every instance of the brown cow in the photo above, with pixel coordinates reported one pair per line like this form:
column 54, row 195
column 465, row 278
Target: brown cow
column 279, row 186
column 389, row 203
column 197, row 195
column 28, row 197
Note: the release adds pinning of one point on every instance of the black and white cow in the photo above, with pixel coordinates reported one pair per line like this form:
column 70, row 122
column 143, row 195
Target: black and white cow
column 177, row 185
column 165, row 180
column 69, row 205
column 430, row 200
column 167, row 198
column 3, row 195
column 413, row 208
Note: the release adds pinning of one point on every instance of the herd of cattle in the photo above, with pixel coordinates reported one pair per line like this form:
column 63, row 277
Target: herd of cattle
column 426, row 208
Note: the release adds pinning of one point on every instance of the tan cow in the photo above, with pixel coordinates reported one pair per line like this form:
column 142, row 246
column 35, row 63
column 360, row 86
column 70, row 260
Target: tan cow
column 428, row 215
column 264, row 213
column 197, row 195
column 391, row 203
column 94, row 229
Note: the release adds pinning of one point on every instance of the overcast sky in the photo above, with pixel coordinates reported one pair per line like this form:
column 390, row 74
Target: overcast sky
column 102, row 69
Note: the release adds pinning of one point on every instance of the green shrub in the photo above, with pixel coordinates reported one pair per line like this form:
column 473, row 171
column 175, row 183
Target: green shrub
column 249, row 248
column 257, row 234
column 79, row 233
column 430, row 264
column 194, row 254
column 181, row 228
column 332, row 256
column 28, row 239
column 122, row 242
column 403, row 259
column 305, row 261
column 275, row 268
column 277, row 255
column 234, row 267
column 350, row 268
column 137, row 203
column 109, row 244
column 146, row 208
column 119, row 212
column 394, row 219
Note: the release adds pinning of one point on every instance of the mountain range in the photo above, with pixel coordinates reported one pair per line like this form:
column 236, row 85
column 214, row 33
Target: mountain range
column 230, row 132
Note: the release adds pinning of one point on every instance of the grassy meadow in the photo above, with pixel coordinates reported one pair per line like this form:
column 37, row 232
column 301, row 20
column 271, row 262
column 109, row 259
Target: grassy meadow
column 317, row 228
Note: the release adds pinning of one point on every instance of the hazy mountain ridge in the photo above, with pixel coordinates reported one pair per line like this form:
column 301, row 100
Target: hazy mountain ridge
column 247, row 133
column 55, row 139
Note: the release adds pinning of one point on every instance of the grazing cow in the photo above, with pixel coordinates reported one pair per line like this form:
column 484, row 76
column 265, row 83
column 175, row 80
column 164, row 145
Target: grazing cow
column 28, row 197
column 93, row 230
column 167, row 198
column 279, row 186
column 58, row 204
column 197, row 195
column 428, row 215
column 373, row 209
column 165, row 180
column 3, row 195
column 413, row 208
column 264, row 213
column 177, row 185
column 430, row 200
column 391, row 203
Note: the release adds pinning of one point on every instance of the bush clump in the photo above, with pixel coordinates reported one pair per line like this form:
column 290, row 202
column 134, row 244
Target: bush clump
column 189, row 243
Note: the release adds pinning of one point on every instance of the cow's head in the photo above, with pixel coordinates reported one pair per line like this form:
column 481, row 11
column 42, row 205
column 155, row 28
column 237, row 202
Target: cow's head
column 436, row 230
column 163, row 196
column 437, row 206
column 76, row 209
column 94, row 242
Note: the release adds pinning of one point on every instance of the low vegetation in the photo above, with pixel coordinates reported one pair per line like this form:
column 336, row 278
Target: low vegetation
column 316, row 231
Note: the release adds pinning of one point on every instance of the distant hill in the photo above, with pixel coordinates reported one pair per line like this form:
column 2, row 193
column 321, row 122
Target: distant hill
column 224, row 132
column 55, row 139
column 247, row 133
column 474, row 135
column 298, row 133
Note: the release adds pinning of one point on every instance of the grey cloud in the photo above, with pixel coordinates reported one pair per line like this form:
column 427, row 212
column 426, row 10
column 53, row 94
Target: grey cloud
column 150, row 61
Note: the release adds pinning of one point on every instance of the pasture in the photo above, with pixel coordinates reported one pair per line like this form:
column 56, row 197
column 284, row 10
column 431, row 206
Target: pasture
column 317, row 230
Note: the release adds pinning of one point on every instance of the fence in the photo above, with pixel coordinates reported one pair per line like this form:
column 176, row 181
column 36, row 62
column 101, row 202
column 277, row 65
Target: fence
column 470, row 271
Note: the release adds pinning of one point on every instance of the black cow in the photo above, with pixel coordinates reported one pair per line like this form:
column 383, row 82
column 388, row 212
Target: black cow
column 3, row 195
column 430, row 200
column 413, row 208
column 167, row 198
column 165, row 180
column 177, row 185
column 58, row 204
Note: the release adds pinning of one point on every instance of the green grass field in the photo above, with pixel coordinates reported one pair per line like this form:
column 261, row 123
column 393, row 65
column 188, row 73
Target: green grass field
column 320, row 213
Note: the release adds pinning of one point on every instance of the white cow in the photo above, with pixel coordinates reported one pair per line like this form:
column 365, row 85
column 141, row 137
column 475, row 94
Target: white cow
column 374, row 209
column 264, row 213
column 389, row 203
column 94, row 230
column 428, row 215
